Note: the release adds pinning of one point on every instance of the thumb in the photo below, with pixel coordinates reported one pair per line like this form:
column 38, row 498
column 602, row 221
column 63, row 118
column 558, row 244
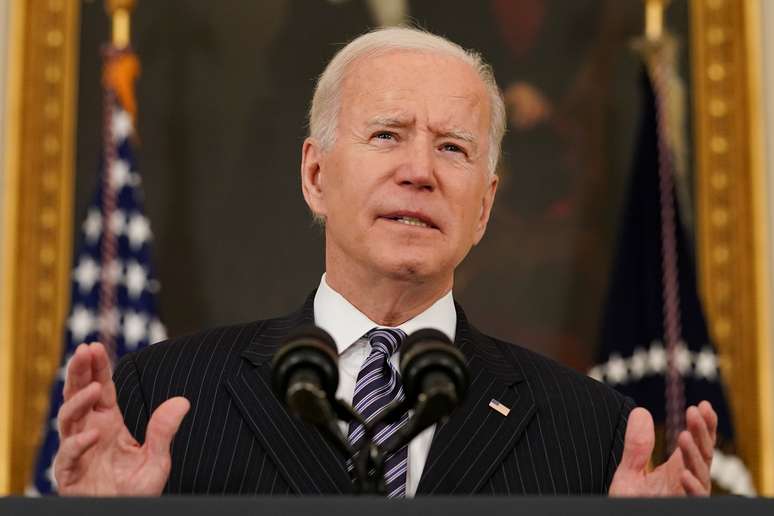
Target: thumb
column 164, row 423
column 639, row 441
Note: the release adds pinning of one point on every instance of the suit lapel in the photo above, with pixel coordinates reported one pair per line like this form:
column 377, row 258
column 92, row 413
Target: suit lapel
column 308, row 463
column 467, row 449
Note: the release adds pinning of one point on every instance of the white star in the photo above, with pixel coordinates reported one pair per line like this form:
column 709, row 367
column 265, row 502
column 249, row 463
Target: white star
column 706, row 364
column 81, row 323
column 92, row 226
column 86, row 274
column 596, row 373
column 135, row 329
column 157, row 332
column 122, row 125
column 136, row 279
column 118, row 222
column 50, row 476
column 656, row 358
column 138, row 230
column 119, row 174
column 639, row 363
column 682, row 358
column 616, row 369
column 135, row 179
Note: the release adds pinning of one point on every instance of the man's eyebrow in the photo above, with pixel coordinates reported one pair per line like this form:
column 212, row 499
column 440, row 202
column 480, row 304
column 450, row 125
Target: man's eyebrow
column 389, row 121
column 459, row 134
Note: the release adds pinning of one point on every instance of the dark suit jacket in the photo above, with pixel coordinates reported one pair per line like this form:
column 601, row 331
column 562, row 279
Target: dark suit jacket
column 564, row 432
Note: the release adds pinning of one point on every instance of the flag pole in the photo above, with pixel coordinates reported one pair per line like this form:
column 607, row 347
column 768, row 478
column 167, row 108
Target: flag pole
column 120, row 12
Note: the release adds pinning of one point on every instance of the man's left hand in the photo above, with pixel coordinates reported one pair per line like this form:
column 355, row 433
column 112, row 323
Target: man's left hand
column 687, row 472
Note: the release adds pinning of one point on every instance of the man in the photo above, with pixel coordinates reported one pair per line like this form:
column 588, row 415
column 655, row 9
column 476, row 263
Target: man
column 399, row 166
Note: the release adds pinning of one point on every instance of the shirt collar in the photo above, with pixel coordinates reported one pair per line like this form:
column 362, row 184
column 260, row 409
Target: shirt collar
column 346, row 324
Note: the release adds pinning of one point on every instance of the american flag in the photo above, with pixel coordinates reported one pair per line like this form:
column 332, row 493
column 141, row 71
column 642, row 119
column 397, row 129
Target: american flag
column 113, row 295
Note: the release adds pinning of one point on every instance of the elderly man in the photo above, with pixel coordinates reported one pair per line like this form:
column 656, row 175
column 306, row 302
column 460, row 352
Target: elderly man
column 405, row 129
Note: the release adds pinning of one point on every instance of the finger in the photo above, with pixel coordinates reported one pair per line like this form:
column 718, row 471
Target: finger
column 163, row 425
column 100, row 363
column 72, row 449
column 697, row 425
column 692, row 486
column 78, row 373
column 73, row 410
column 711, row 418
column 694, row 462
column 639, row 440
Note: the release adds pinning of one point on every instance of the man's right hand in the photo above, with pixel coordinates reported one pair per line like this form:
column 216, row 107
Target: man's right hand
column 97, row 455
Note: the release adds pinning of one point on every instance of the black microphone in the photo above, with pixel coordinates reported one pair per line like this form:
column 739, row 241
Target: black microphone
column 305, row 374
column 435, row 380
column 435, row 377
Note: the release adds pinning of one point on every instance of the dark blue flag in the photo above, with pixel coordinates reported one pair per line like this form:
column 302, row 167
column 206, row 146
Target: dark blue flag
column 655, row 345
column 113, row 296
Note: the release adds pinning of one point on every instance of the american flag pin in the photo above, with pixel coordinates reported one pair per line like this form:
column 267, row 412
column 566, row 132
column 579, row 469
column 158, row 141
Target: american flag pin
column 499, row 407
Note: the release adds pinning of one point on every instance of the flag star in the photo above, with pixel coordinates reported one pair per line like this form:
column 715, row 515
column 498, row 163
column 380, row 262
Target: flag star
column 121, row 125
column 86, row 274
column 657, row 358
column 119, row 174
column 157, row 332
column 81, row 323
column 135, row 179
column 706, row 364
column 639, row 363
column 92, row 226
column 616, row 369
column 596, row 373
column 50, row 476
column 682, row 358
column 135, row 329
column 138, row 230
column 136, row 279
column 118, row 222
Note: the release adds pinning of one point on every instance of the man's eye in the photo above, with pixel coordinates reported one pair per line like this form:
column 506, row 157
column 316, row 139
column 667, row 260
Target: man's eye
column 384, row 135
column 451, row 147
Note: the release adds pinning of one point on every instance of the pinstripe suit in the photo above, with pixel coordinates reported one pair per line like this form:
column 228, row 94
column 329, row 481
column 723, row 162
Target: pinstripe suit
column 564, row 432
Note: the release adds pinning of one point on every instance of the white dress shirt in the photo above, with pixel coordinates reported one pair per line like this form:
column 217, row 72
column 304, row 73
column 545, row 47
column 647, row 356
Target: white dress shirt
column 347, row 325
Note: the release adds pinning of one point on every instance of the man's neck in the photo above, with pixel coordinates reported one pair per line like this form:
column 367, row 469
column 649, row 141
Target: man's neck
column 387, row 301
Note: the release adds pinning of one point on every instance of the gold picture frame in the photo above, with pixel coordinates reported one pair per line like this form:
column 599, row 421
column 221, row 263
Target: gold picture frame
column 38, row 205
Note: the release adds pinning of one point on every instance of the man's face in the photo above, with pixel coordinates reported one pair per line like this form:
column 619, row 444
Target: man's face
column 404, row 190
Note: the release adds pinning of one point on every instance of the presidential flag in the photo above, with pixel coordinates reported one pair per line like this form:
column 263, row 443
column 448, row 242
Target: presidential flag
column 655, row 345
column 113, row 294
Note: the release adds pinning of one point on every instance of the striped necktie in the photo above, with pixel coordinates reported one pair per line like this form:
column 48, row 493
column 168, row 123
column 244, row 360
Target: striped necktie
column 378, row 384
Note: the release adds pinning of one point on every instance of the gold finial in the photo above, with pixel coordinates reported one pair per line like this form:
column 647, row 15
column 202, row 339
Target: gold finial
column 120, row 11
column 654, row 19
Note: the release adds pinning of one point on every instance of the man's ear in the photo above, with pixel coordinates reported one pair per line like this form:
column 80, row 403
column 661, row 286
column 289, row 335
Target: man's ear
column 311, row 177
column 486, row 207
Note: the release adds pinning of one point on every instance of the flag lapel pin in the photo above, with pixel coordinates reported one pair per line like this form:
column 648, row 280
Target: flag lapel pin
column 499, row 407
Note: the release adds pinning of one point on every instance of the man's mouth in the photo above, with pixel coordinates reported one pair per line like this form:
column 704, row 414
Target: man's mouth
column 417, row 220
column 411, row 221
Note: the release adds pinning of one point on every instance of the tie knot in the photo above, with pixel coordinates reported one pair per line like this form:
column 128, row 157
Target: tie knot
column 387, row 339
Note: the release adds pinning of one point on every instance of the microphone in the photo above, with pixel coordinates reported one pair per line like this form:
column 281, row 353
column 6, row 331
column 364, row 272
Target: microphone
column 305, row 375
column 435, row 380
column 435, row 377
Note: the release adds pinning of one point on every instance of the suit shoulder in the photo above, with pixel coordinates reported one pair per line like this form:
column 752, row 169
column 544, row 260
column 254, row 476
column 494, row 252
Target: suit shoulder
column 558, row 378
column 223, row 342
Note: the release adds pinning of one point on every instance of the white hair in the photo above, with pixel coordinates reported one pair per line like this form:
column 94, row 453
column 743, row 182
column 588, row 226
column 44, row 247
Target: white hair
column 326, row 102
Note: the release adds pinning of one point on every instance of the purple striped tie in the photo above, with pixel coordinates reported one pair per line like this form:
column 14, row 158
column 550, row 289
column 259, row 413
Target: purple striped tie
column 378, row 384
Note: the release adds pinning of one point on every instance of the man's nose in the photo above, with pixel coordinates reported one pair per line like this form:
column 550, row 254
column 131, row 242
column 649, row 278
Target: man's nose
column 419, row 169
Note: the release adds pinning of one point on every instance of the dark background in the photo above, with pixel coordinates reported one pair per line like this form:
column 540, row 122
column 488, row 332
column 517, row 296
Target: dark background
column 223, row 95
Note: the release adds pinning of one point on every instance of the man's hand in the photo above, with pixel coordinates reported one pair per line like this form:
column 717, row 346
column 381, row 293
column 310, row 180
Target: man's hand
column 687, row 472
column 97, row 455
